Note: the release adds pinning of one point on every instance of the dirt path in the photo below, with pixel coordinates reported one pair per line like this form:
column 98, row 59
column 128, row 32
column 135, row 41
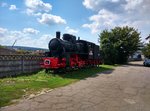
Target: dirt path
column 127, row 88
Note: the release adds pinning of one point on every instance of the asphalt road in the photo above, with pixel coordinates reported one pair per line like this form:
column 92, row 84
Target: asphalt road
column 127, row 88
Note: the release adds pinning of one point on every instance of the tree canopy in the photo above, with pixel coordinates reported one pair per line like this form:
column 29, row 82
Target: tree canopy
column 118, row 43
column 146, row 50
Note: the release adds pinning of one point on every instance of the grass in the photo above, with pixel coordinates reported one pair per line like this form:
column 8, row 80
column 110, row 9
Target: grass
column 15, row 87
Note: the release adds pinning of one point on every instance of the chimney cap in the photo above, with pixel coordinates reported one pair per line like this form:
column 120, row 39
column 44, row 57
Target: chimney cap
column 58, row 34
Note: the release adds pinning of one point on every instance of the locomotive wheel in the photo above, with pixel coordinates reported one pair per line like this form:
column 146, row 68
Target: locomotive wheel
column 46, row 70
column 55, row 71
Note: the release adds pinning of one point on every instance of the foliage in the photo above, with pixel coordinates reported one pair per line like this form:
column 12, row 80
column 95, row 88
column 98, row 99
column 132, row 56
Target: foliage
column 21, row 52
column 16, row 87
column 118, row 43
column 1, row 46
column 146, row 50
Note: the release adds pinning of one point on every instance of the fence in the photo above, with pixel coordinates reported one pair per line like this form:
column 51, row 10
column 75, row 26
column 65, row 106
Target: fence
column 11, row 65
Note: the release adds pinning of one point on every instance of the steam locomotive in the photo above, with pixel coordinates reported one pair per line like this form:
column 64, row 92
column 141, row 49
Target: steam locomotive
column 70, row 53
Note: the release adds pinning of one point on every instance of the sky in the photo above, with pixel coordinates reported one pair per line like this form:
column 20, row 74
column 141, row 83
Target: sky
column 33, row 23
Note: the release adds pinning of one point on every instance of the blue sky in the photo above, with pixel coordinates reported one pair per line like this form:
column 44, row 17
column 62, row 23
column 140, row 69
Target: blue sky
column 34, row 22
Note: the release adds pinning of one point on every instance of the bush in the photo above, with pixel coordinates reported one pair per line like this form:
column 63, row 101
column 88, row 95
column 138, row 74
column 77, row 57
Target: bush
column 146, row 51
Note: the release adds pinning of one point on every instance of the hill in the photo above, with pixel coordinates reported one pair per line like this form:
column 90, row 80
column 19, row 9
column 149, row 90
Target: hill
column 26, row 48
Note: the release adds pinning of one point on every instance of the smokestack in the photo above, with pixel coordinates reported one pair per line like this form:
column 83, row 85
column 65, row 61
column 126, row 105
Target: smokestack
column 58, row 34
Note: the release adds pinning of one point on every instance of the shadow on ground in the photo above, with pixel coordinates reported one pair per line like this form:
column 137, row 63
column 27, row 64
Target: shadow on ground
column 87, row 72
column 139, row 65
column 134, row 63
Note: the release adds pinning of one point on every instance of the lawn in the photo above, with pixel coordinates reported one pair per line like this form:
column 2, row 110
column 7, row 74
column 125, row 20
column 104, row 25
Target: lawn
column 17, row 87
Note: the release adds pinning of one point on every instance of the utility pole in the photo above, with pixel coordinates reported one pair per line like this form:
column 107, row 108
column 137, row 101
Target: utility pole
column 148, row 38
column 14, row 43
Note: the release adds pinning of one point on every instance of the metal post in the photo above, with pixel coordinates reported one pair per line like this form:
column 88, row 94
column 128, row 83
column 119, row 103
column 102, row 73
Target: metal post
column 22, row 64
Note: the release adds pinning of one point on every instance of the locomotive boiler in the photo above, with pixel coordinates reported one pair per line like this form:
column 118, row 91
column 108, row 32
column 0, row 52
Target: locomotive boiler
column 70, row 53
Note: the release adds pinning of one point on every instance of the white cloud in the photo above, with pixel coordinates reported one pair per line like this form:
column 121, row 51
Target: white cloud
column 41, row 10
column 137, row 24
column 50, row 19
column 30, row 31
column 3, row 4
column 91, row 4
column 12, row 7
column 115, row 0
column 36, row 6
column 3, row 31
column 31, row 12
column 132, row 4
column 104, row 19
column 71, row 31
column 44, row 40
column 105, row 15
column 41, row 41
column 98, row 4
column 134, row 13
column 23, row 39
column 9, row 37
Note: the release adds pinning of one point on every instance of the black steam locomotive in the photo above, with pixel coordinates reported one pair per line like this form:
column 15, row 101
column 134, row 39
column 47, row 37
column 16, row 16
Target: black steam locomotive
column 70, row 53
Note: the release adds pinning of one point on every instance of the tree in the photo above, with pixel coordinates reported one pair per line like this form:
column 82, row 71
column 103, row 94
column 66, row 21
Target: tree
column 146, row 50
column 118, row 43
column 1, row 46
